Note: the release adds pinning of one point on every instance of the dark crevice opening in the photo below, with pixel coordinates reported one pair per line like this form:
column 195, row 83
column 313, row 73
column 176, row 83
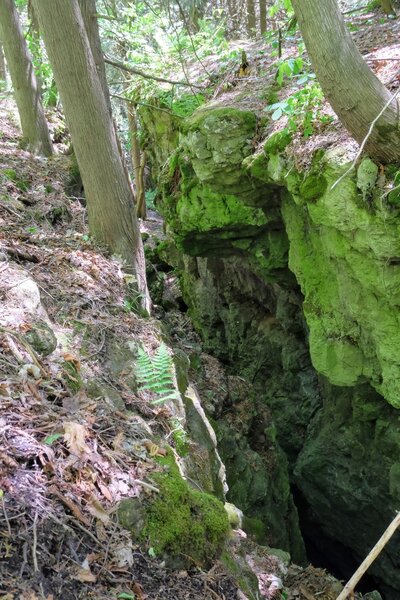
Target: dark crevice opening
column 327, row 553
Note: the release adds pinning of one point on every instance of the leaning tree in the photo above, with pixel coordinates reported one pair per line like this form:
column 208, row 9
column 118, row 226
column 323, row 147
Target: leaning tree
column 26, row 90
column 111, row 212
column 354, row 92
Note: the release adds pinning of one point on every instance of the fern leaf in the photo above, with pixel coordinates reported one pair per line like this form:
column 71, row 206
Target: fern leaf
column 172, row 396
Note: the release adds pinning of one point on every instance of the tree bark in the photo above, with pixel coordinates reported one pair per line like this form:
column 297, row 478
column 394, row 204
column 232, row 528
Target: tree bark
column 263, row 16
column 26, row 92
column 2, row 64
column 388, row 7
column 112, row 217
column 251, row 17
column 354, row 92
column 89, row 12
column 138, row 162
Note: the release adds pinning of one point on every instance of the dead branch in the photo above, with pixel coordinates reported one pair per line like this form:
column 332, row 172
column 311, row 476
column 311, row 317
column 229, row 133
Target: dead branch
column 367, row 562
column 124, row 67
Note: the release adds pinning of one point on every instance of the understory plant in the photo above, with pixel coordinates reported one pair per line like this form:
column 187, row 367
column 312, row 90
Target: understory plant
column 303, row 109
column 155, row 374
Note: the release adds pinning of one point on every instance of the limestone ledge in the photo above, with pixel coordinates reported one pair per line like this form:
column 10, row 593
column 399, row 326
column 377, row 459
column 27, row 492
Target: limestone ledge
column 342, row 242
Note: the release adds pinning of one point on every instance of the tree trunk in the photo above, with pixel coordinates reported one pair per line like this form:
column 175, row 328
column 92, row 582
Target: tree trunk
column 2, row 64
column 263, row 16
column 27, row 96
column 355, row 93
column 88, row 11
column 112, row 217
column 251, row 17
column 388, row 7
column 138, row 162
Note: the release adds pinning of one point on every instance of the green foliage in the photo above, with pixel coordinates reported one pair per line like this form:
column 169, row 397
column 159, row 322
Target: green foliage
column 287, row 68
column 303, row 109
column 281, row 5
column 11, row 175
column 155, row 373
column 52, row 438
column 150, row 197
column 183, row 105
column 179, row 436
column 43, row 70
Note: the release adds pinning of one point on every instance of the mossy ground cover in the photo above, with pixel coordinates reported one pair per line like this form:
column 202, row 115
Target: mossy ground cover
column 182, row 521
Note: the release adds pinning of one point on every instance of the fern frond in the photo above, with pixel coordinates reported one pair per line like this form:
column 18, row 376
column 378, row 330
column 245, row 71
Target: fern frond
column 155, row 374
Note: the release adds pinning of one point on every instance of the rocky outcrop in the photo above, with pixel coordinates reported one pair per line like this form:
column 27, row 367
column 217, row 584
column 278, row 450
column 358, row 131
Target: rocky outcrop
column 291, row 276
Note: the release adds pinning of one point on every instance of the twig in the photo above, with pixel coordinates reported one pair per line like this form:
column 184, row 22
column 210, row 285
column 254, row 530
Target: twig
column 394, row 189
column 25, row 559
column 376, row 550
column 106, row 553
column 86, row 531
column 169, row 112
column 371, row 127
column 378, row 59
column 27, row 347
column 34, row 545
column 147, row 485
column 5, row 516
column 124, row 67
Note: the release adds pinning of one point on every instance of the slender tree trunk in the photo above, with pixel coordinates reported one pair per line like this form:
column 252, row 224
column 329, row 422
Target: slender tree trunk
column 112, row 217
column 138, row 162
column 2, row 64
column 251, row 17
column 233, row 16
column 27, row 96
column 355, row 93
column 88, row 11
column 388, row 7
column 263, row 16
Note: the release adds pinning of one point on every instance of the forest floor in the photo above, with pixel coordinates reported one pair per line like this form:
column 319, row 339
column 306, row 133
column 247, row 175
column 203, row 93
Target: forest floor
column 66, row 457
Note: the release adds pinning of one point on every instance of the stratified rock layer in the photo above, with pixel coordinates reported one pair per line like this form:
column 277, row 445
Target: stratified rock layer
column 292, row 276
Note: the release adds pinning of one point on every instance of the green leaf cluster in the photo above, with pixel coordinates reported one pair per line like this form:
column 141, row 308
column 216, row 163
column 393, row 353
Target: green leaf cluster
column 303, row 109
column 155, row 373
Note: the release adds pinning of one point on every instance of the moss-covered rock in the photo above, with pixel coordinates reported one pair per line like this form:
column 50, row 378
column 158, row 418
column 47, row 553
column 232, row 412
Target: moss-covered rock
column 183, row 523
column 253, row 225
column 42, row 338
column 345, row 258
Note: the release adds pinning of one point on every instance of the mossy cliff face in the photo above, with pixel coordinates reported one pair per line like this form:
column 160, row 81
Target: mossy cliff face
column 296, row 286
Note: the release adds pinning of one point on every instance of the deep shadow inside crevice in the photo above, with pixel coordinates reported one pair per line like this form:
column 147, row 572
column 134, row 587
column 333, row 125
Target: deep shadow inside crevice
column 327, row 553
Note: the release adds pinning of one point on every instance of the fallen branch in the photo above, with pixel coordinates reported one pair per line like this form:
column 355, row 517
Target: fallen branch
column 371, row 127
column 367, row 562
column 124, row 67
column 125, row 99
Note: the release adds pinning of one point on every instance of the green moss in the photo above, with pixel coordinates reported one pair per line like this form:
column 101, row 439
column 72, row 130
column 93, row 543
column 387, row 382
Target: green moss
column 313, row 186
column 342, row 253
column 212, row 114
column 255, row 528
column 71, row 376
column 12, row 175
column 277, row 142
column 185, row 522
column 203, row 210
